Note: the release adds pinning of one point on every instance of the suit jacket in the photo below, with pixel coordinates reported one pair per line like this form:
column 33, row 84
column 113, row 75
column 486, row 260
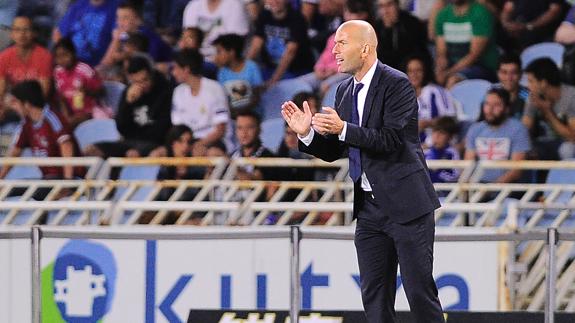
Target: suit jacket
column 391, row 154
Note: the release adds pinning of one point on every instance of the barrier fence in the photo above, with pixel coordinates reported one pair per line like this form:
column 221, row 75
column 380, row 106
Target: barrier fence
column 294, row 234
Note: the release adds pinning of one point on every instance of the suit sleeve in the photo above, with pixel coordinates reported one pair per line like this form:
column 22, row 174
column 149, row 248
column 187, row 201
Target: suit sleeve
column 400, row 108
column 328, row 148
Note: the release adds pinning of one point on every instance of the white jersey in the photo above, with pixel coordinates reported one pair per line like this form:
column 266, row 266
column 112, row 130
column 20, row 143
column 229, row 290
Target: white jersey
column 229, row 17
column 434, row 101
column 201, row 112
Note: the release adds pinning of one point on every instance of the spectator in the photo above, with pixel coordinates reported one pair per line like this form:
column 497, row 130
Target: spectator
column 248, row 136
column 191, row 38
column 311, row 98
column 509, row 75
column 179, row 140
column 433, row 100
column 399, row 34
column 129, row 20
column 528, row 22
column 143, row 116
column 44, row 131
column 440, row 149
column 240, row 77
column 9, row 122
column 198, row 102
column 282, row 41
column 464, row 43
column 25, row 60
column 78, row 86
column 565, row 34
column 550, row 111
column 497, row 137
column 165, row 16
column 329, row 17
column 215, row 18
column 89, row 24
column 325, row 71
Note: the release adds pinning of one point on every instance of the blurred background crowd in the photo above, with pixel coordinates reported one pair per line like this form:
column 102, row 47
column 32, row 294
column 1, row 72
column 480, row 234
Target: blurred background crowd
column 184, row 78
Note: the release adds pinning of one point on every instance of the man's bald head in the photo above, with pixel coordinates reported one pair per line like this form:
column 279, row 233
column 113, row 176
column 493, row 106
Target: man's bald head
column 360, row 30
column 355, row 47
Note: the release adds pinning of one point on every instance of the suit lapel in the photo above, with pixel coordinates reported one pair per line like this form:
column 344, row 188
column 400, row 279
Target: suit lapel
column 371, row 92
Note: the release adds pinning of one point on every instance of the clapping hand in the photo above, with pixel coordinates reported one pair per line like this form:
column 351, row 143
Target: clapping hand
column 328, row 122
column 299, row 121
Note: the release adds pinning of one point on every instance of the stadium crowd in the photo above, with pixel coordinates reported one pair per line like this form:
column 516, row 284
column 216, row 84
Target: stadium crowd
column 189, row 76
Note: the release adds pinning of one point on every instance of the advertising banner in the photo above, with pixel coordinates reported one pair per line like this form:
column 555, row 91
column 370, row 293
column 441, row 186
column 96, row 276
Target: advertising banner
column 161, row 281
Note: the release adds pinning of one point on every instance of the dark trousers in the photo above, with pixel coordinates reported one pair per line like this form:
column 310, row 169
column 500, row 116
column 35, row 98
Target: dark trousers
column 381, row 245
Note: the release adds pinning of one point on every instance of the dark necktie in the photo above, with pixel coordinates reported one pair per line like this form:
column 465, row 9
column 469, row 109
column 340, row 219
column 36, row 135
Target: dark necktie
column 354, row 153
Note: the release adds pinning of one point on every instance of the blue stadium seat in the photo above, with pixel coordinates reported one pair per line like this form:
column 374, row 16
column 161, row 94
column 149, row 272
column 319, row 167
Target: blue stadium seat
column 24, row 172
column 548, row 49
column 470, row 93
column 136, row 173
column 272, row 99
column 113, row 94
column 96, row 130
column 272, row 133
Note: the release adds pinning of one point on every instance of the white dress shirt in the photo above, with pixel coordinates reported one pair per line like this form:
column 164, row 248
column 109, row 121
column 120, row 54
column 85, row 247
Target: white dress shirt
column 361, row 96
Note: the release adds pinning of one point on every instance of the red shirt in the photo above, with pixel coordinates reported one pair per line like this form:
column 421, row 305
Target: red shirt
column 44, row 138
column 37, row 65
column 70, row 83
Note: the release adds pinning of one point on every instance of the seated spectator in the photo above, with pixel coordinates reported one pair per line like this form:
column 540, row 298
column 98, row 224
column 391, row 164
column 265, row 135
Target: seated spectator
column 240, row 77
column 143, row 116
column 282, row 42
column 509, row 75
column 399, row 34
column 214, row 150
column 215, row 18
column 565, row 34
column 248, row 136
column 129, row 20
column 464, row 43
column 289, row 149
column 441, row 149
column 191, row 38
column 311, row 98
column 45, row 132
column 89, row 24
column 25, row 60
column 329, row 16
column 497, row 137
column 9, row 123
column 78, row 86
column 550, row 111
column 433, row 100
column 164, row 16
column 528, row 22
column 198, row 102
column 179, row 145
column 325, row 71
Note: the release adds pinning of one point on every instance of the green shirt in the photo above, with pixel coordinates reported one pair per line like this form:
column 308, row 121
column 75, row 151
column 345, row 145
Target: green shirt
column 459, row 30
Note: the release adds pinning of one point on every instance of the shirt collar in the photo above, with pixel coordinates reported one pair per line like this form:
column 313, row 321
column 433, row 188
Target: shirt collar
column 366, row 80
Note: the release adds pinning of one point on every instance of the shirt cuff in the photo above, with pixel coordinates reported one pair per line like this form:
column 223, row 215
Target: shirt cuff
column 343, row 132
column 307, row 139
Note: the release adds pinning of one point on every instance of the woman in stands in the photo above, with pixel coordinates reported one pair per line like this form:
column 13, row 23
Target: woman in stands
column 434, row 101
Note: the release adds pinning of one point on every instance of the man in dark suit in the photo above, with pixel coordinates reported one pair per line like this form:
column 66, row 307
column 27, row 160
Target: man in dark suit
column 374, row 123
